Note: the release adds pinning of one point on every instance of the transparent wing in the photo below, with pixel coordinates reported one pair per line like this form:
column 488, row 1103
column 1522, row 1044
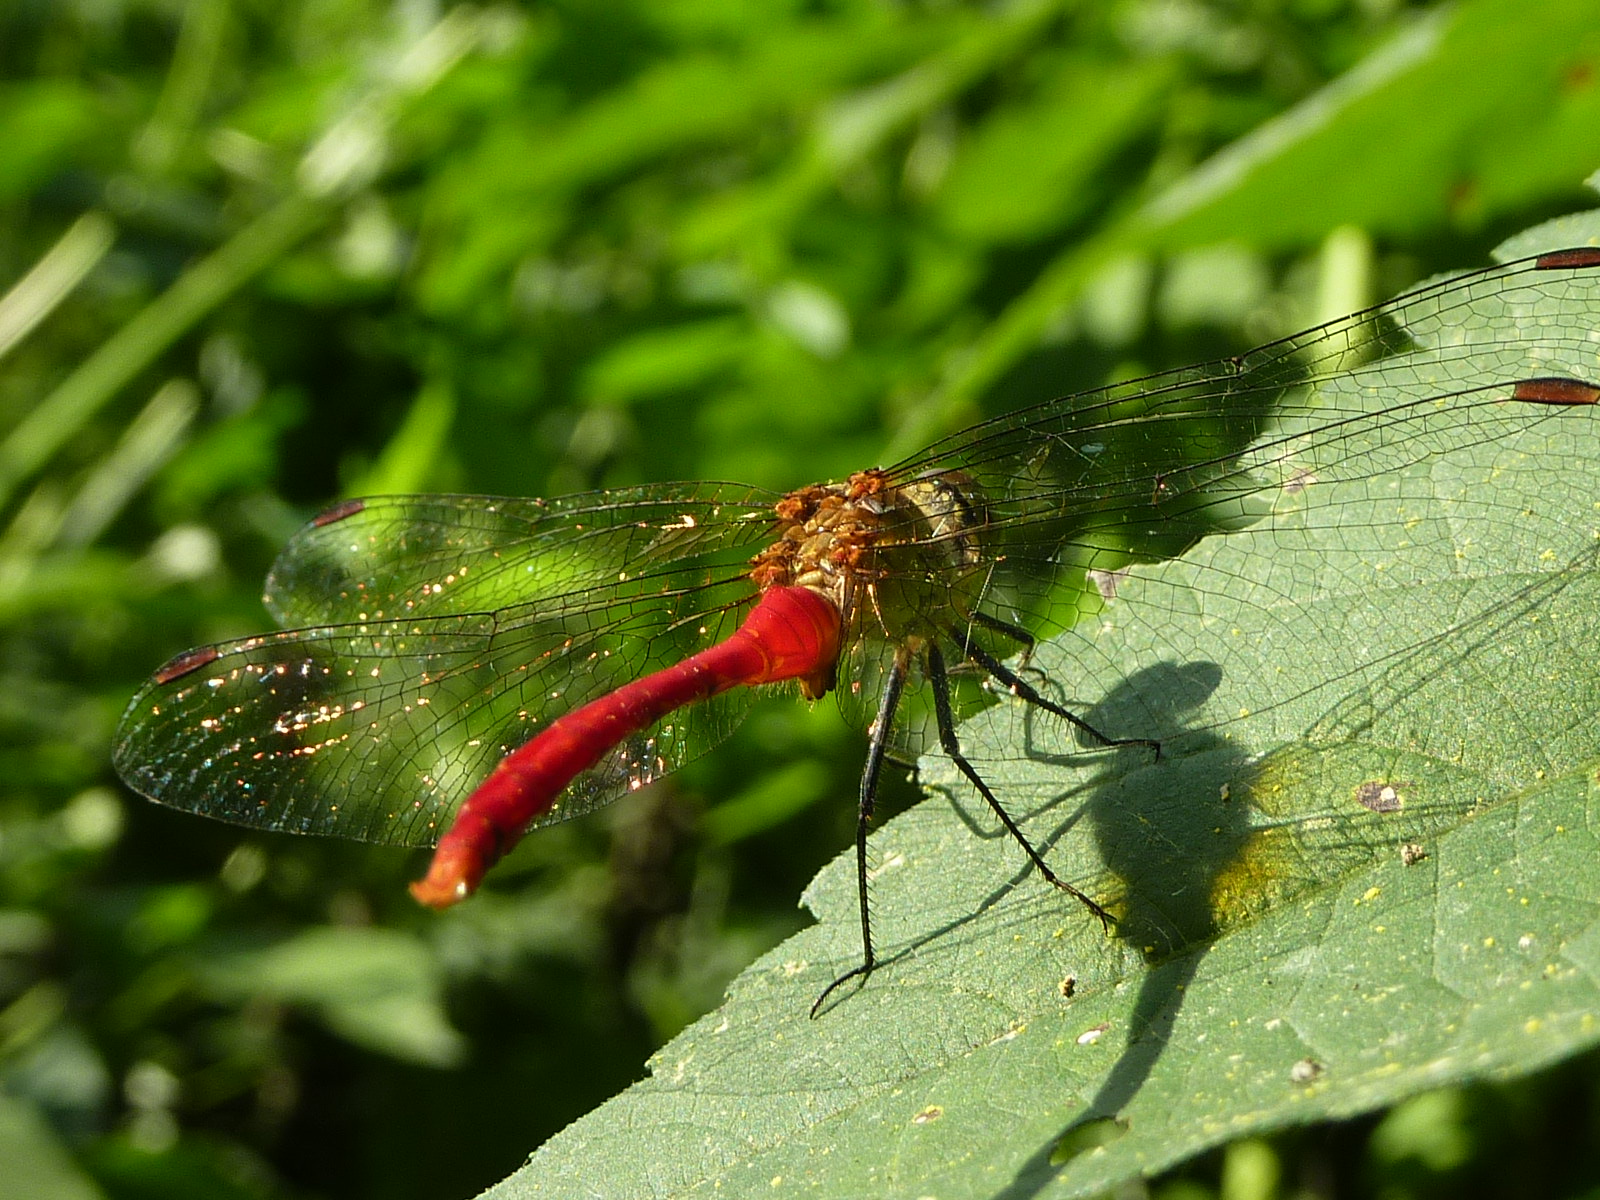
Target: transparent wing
column 401, row 556
column 1076, row 489
column 468, row 625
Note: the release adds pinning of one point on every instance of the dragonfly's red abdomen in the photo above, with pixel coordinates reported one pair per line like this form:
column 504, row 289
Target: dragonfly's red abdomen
column 791, row 633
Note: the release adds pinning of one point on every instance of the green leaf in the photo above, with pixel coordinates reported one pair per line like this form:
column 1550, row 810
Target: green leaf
column 1032, row 168
column 1290, row 178
column 1362, row 867
column 663, row 360
column 38, row 1166
column 47, row 122
column 378, row 988
column 1519, row 130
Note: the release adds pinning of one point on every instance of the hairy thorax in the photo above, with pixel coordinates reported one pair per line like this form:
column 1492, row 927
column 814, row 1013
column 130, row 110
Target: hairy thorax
column 908, row 557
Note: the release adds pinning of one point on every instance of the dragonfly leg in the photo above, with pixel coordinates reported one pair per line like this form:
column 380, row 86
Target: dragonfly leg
column 952, row 748
column 1027, row 693
column 1016, row 633
column 893, row 685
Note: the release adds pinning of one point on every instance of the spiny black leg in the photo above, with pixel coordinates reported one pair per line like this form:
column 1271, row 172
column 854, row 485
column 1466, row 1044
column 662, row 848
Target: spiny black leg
column 1028, row 694
column 952, row 748
column 876, row 748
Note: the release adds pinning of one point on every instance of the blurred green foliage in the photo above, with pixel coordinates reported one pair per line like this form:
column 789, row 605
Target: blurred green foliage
column 255, row 256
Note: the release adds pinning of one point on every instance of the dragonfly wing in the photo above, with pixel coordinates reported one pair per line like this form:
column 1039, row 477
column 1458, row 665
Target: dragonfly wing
column 1076, row 489
column 378, row 730
column 401, row 556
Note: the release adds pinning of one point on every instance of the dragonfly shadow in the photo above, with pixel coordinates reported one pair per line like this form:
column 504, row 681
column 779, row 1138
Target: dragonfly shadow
column 1165, row 828
column 1168, row 836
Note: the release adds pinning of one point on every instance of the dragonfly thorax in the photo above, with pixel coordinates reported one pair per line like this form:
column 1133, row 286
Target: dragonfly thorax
column 891, row 550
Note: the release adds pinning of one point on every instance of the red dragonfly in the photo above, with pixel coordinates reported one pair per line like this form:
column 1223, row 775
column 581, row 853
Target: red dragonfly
column 458, row 670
